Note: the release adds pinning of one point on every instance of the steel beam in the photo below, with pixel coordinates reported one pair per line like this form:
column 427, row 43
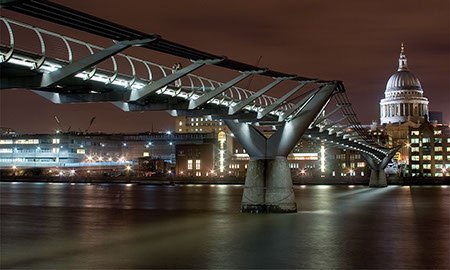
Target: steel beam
column 193, row 104
column 338, row 107
column 139, row 94
column 299, row 106
column 284, row 139
column 279, row 101
column 52, row 78
column 249, row 100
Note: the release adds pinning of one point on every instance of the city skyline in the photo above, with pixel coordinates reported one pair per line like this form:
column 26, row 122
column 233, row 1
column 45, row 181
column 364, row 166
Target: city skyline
column 344, row 43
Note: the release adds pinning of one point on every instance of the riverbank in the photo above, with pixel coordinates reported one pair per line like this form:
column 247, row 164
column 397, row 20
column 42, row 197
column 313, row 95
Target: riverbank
column 406, row 181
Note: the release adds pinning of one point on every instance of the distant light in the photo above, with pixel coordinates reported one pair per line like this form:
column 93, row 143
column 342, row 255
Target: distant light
column 14, row 167
column 124, row 144
column 72, row 171
column 100, row 158
column 149, row 143
column 110, row 159
column 57, row 132
column 303, row 171
column 168, row 132
column 169, row 172
column 170, row 143
column 212, row 171
column 128, row 167
column 181, row 172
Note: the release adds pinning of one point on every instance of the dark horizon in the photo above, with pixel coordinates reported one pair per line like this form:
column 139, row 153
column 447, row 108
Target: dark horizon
column 356, row 42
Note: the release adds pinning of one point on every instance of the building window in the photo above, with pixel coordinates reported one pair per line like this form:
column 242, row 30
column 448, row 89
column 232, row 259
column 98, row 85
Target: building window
column 414, row 140
column 197, row 164
column 81, row 151
column 55, row 141
column 415, row 132
column 55, row 150
column 6, row 141
column 180, row 123
column 437, row 132
column 414, row 149
column 361, row 164
column 427, row 166
column 437, row 140
column 190, row 164
column 415, row 166
column 437, row 157
column 426, row 157
column 415, row 158
column 438, row 174
column 438, row 166
column 438, row 148
column 448, row 148
column 198, row 173
column 146, row 154
column 426, row 140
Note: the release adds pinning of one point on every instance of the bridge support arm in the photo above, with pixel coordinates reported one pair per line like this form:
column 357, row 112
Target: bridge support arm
column 52, row 78
column 138, row 94
column 377, row 174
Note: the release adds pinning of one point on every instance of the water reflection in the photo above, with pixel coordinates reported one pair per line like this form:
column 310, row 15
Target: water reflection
column 108, row 226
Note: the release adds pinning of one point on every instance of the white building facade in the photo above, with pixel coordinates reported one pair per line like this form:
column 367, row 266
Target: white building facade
column 404, row 100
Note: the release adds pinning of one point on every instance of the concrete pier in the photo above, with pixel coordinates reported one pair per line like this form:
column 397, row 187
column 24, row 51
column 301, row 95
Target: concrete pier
column 268, row 187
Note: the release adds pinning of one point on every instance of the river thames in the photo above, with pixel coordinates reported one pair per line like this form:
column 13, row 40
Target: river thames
column 123, row 226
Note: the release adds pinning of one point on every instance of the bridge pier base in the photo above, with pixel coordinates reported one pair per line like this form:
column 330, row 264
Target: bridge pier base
column 268, row 187
column 377, row 178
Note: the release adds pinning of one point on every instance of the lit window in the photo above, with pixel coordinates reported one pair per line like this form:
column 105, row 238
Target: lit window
column 437, row 132
column 146, row 154
column 180, row 130
column 180, row 123
column 414, row 140
column 55, row 150
column 30, row 141
column 427, row 166
column 426, row 140
column 190, row 164
column 5, row 150
column 438, row 174
column 6, row 141
column 426, row 157
column 448, row 148
column 438, row 148
column 197, row 164
column 414, row 149
column 81, row 151
column 343, row 165
column 361, row 164
column 55, row 141
column 198, row 173
column 415, row 166
column 415, row 158
column 238, row 151
column 415, row 132
column 437, row 157
column 437, row 140
column 438, row 166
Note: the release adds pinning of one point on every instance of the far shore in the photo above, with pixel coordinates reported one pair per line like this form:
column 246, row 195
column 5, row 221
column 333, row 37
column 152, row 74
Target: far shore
column 406, row 181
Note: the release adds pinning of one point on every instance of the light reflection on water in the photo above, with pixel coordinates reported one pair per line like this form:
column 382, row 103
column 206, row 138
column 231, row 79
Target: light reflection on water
column 107, row 226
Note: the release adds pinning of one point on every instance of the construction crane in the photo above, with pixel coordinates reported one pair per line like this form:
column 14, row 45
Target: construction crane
column 90, row 124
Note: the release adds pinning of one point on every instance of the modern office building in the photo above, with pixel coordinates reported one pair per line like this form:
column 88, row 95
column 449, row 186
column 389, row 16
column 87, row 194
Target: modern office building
column 429, row 150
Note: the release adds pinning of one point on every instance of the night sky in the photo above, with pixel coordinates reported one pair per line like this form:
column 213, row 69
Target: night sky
column 355, row 41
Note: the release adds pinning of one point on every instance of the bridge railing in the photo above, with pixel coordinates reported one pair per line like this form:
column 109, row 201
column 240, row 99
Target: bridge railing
column 38, row 48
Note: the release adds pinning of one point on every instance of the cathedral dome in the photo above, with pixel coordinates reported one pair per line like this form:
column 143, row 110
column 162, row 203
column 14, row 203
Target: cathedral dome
column 404, row 100
column 403, row 80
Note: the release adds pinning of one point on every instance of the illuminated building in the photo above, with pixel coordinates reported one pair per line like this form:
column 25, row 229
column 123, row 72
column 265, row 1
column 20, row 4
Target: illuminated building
column 404, row 100
column 429, row 150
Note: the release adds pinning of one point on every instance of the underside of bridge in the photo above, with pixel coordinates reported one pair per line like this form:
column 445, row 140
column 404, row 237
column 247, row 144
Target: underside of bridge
column 268, row 184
